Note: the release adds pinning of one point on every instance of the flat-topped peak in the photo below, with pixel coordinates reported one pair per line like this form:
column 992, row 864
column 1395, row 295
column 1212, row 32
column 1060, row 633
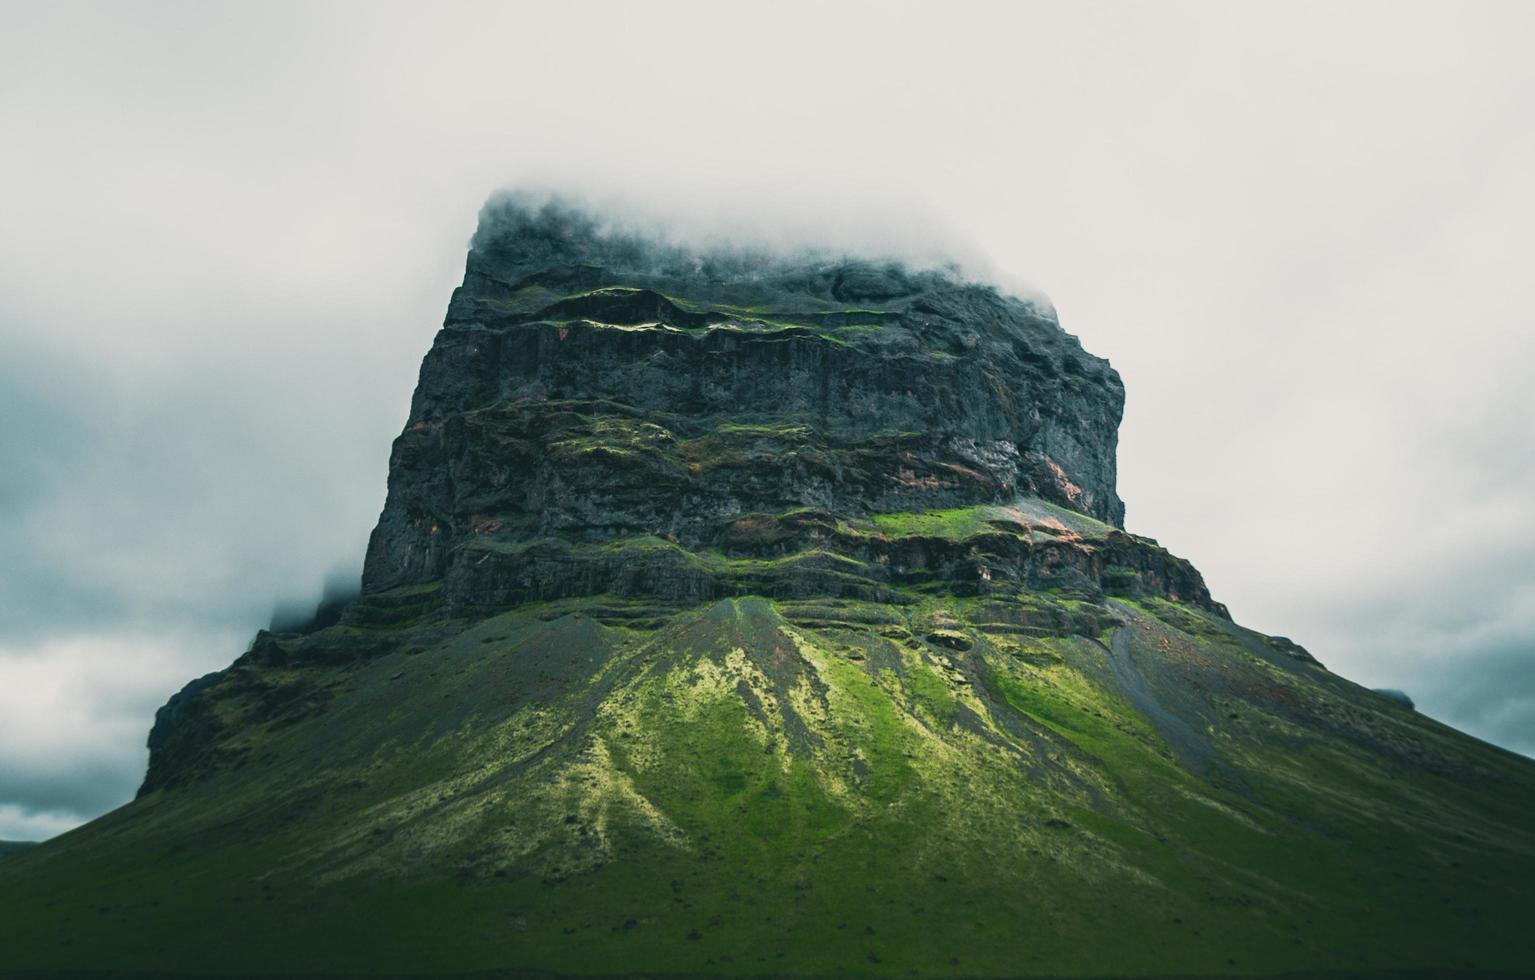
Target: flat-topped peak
column 527, row 240
column 596, row 383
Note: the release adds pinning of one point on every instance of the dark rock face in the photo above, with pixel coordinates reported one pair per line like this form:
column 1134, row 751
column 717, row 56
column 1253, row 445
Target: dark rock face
column 183, row 727
column 590, row 386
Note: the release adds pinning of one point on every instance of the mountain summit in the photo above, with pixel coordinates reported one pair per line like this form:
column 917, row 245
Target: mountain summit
column 735, row 612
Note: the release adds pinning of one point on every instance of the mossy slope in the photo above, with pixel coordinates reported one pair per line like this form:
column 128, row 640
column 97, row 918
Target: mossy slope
column 817, row 787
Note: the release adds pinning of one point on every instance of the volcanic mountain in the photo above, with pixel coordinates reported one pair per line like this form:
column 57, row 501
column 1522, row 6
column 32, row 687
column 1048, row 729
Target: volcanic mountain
column 739, row 613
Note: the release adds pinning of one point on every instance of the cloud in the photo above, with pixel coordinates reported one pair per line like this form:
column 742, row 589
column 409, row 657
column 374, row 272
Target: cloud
column 20, row 823
column 73, row 712
column 1462, row 644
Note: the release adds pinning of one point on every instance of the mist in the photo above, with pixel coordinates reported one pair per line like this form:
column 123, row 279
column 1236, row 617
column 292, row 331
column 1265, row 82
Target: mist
column 228, row 234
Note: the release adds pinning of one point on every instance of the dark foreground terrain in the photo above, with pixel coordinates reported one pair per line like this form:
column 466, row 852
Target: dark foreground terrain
column 737, row 616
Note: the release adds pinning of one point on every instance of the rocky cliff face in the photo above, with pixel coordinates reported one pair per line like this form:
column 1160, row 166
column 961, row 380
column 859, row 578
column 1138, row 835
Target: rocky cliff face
column 591, row 387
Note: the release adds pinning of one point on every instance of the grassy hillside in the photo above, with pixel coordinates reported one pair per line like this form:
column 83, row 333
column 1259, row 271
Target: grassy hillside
column 817, row 787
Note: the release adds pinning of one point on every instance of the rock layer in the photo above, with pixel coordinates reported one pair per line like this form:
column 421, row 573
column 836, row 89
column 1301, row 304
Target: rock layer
column 590, row 385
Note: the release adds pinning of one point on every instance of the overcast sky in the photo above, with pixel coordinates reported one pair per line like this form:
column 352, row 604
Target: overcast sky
column 1302, row 233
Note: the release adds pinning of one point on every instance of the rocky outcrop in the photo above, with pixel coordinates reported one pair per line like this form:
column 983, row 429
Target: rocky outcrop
column 591, row 386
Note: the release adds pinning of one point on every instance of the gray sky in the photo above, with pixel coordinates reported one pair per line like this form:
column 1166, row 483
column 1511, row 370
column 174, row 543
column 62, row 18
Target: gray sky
column 1302, row 233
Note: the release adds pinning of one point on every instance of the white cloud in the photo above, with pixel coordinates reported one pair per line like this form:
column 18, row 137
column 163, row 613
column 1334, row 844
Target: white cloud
column 25, row 824
column 75, row 712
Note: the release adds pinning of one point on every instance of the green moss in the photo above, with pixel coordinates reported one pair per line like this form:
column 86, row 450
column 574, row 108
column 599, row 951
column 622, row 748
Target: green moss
column 1035, row 510
column 794, row 431
column 957, row 523
column 1018, row 517
column 931, row 691
column 1059, row 698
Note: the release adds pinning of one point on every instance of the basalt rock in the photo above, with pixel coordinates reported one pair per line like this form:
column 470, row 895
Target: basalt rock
column 590, row 386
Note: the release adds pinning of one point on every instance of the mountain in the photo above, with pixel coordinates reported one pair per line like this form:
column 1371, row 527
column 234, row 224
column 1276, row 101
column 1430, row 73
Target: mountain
column 13, row 846
column 762, row 614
